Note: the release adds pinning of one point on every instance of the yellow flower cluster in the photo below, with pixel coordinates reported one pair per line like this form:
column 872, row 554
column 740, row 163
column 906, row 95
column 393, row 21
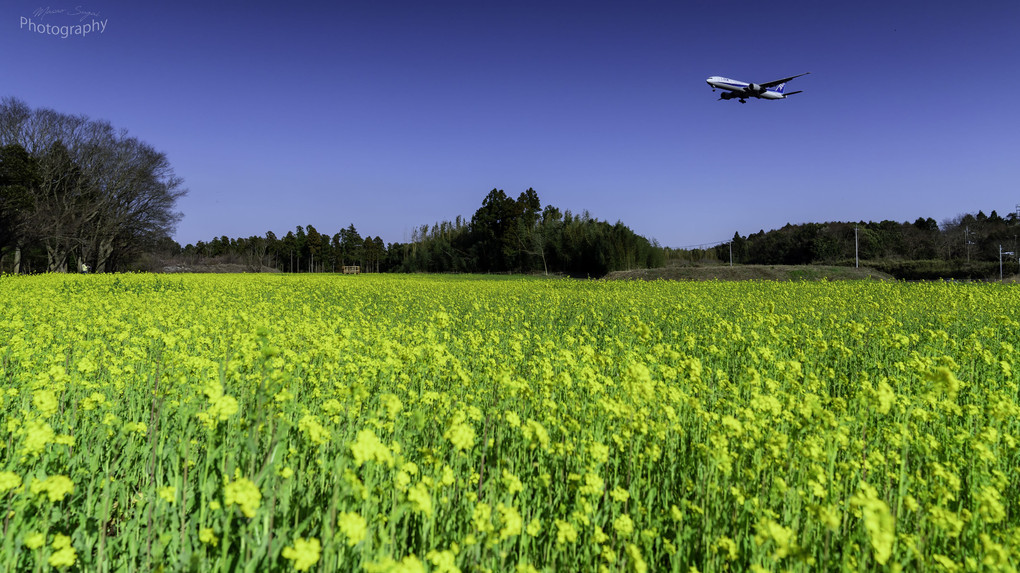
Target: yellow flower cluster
column 243, row 493
column 304, row 553
column 56, row 487
column 405, row 423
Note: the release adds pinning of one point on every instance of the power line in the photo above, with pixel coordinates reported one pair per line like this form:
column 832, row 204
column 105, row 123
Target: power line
column 702, row 245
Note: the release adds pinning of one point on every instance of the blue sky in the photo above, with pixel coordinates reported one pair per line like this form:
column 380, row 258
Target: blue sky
column 390, row 115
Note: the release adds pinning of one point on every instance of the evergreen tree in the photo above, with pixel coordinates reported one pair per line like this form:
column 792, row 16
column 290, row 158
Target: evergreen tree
column 19, row 181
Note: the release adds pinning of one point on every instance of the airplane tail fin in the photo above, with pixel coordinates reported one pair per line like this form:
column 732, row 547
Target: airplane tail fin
column 780, row 88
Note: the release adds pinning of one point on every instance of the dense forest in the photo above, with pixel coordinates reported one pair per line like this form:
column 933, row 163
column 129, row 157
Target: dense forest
column 505, row 235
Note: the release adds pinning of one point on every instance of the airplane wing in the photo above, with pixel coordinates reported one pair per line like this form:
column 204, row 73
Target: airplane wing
column 782, row 81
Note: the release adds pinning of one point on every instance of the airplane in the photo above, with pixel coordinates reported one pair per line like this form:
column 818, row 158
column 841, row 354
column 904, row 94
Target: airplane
column 742, row 90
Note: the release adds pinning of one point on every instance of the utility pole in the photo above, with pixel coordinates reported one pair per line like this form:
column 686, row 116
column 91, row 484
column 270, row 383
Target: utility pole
column 857, row 259
column 1000, row 260
column 731, row 253
column 966, row 241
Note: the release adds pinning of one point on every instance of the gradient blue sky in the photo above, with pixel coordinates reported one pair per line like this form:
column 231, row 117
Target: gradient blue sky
column 390, row 115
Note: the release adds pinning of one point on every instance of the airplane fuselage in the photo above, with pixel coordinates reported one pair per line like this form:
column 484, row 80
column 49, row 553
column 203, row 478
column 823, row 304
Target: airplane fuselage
column 736, row 89
column 743, row 89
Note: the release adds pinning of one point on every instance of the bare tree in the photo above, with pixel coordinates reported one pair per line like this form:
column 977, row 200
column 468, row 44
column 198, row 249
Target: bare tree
column 100, row 194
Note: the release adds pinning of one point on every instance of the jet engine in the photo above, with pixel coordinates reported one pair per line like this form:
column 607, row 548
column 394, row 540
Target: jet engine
column 755, row 88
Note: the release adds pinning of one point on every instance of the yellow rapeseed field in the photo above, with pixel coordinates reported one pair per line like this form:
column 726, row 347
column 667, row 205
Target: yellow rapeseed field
column 420, row 423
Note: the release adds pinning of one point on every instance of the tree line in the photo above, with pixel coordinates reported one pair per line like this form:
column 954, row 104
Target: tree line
column 965, row 246
column 302, row 250
column 503, row 236
column 75, row 192
column 520, row 236
column 78, row 194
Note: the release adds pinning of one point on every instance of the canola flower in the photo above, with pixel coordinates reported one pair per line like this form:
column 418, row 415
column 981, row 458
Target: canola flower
column 37, row 434
column 420, row 498
column 63, row 554
column 167, row 493
column 878, row 521
column 35, row 540
column 243, row 493
column 461, row 436
column 304, row 553
column 392, row 423
column 443, row 561
column 353, row 526
column 623, row 526
column 9, row 481
column 56, row 487
column 208, row 536
column 369, row 447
